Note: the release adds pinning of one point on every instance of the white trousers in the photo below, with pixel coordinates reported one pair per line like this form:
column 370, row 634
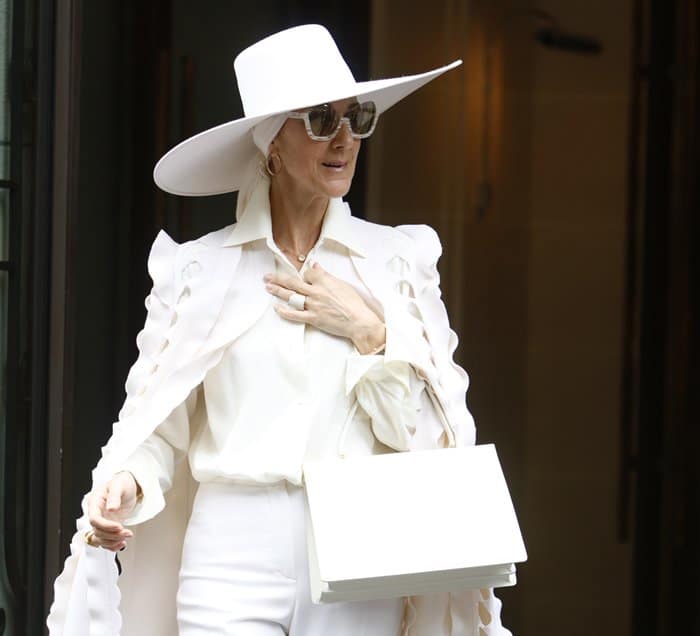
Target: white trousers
column 245, row 572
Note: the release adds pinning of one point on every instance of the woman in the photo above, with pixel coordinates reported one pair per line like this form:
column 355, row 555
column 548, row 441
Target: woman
column 298, row 332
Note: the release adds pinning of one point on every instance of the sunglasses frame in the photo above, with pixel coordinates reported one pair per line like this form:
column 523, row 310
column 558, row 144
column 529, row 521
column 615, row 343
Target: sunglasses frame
column 304, row 115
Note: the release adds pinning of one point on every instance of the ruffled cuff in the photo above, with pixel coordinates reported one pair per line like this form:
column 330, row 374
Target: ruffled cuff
column 144, row 470
column 375, row 368
column 386, row 390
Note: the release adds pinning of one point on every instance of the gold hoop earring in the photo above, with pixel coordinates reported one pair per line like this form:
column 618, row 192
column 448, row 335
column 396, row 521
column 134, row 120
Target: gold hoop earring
column 273, row 165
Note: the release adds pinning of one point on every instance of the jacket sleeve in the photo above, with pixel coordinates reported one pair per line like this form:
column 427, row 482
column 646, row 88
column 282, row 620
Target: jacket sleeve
column 415, row 393
column 447, row 382
column 153, row 463
column 154, row 460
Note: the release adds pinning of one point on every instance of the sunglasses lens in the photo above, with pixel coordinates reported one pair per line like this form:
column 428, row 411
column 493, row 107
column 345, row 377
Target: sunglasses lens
column 362, row 117
column 323, row 120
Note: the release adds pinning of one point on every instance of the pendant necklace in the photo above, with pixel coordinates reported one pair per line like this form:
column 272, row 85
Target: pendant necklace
column 301, row 256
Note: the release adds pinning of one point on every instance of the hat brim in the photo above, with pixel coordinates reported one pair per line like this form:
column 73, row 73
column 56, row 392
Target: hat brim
column 215, row 160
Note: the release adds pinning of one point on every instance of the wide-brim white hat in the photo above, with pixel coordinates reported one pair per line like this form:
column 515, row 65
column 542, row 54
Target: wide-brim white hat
column 292, row 69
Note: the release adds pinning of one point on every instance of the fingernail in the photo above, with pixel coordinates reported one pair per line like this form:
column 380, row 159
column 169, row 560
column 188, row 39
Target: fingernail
column 267, row 278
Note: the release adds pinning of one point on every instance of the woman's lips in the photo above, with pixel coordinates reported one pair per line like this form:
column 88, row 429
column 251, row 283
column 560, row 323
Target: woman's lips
column 335, row 165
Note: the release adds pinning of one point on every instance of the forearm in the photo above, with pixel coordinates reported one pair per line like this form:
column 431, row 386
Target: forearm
column 139, row 490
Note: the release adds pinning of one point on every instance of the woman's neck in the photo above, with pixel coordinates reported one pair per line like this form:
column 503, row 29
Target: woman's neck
column 297, row 217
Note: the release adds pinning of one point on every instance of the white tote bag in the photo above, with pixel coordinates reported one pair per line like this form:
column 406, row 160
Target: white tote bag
column 403, row 524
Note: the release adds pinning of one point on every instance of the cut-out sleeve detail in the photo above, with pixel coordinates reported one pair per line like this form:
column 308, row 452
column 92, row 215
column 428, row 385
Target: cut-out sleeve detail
column 153, row 462
column 390, row 388
column 448, row 381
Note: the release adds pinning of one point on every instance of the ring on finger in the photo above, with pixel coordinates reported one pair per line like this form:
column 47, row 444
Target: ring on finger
column 90, row 537
column 297, row 301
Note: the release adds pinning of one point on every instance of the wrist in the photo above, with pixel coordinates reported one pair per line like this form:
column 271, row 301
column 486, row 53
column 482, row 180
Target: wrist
column 139, row 490
column 370, row 339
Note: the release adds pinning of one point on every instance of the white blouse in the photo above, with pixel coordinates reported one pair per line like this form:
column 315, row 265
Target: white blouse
column 284, row 392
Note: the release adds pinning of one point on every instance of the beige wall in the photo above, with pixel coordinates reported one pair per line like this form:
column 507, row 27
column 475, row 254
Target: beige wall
column 534, row 289
column 575, row 309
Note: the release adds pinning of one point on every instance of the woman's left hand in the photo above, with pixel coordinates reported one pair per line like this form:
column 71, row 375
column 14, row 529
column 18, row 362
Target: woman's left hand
column 331, row 305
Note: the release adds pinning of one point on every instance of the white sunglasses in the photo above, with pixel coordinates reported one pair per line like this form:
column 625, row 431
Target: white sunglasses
column 323, row 122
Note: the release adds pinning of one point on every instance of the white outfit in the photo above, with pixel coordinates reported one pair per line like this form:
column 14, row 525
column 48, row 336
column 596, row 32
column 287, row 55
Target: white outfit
column 246, row 572
column 283, row 392
column 188, row 330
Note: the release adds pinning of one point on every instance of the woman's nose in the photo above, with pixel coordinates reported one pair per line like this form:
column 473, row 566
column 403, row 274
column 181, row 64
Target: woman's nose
column 343, row 138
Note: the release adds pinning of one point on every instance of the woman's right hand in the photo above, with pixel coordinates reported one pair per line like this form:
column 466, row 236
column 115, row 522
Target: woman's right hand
column 107, row 506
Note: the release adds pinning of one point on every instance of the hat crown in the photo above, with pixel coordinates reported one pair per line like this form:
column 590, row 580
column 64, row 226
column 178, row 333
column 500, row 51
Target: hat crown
column 294, row 68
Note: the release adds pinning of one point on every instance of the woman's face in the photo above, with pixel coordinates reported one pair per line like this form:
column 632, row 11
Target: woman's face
column 316, row 168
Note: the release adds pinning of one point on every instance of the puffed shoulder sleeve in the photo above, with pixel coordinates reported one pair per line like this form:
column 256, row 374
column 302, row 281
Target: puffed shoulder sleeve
column 446, row 380
column 151, row 340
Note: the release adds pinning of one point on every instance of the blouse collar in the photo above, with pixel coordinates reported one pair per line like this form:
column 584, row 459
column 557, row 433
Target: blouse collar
column 255, row 222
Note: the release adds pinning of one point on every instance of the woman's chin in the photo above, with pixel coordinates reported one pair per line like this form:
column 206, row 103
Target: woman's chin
column 338, row 187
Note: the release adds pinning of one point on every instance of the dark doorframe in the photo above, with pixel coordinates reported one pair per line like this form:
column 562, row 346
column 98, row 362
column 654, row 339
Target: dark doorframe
column 64, row 205
column 653, row 320
column 680, row 549
column 40, row 303
column 661, row 435
column 26, row 427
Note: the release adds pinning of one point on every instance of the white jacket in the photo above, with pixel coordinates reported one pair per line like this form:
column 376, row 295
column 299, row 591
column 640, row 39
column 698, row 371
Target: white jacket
column 185, row 335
